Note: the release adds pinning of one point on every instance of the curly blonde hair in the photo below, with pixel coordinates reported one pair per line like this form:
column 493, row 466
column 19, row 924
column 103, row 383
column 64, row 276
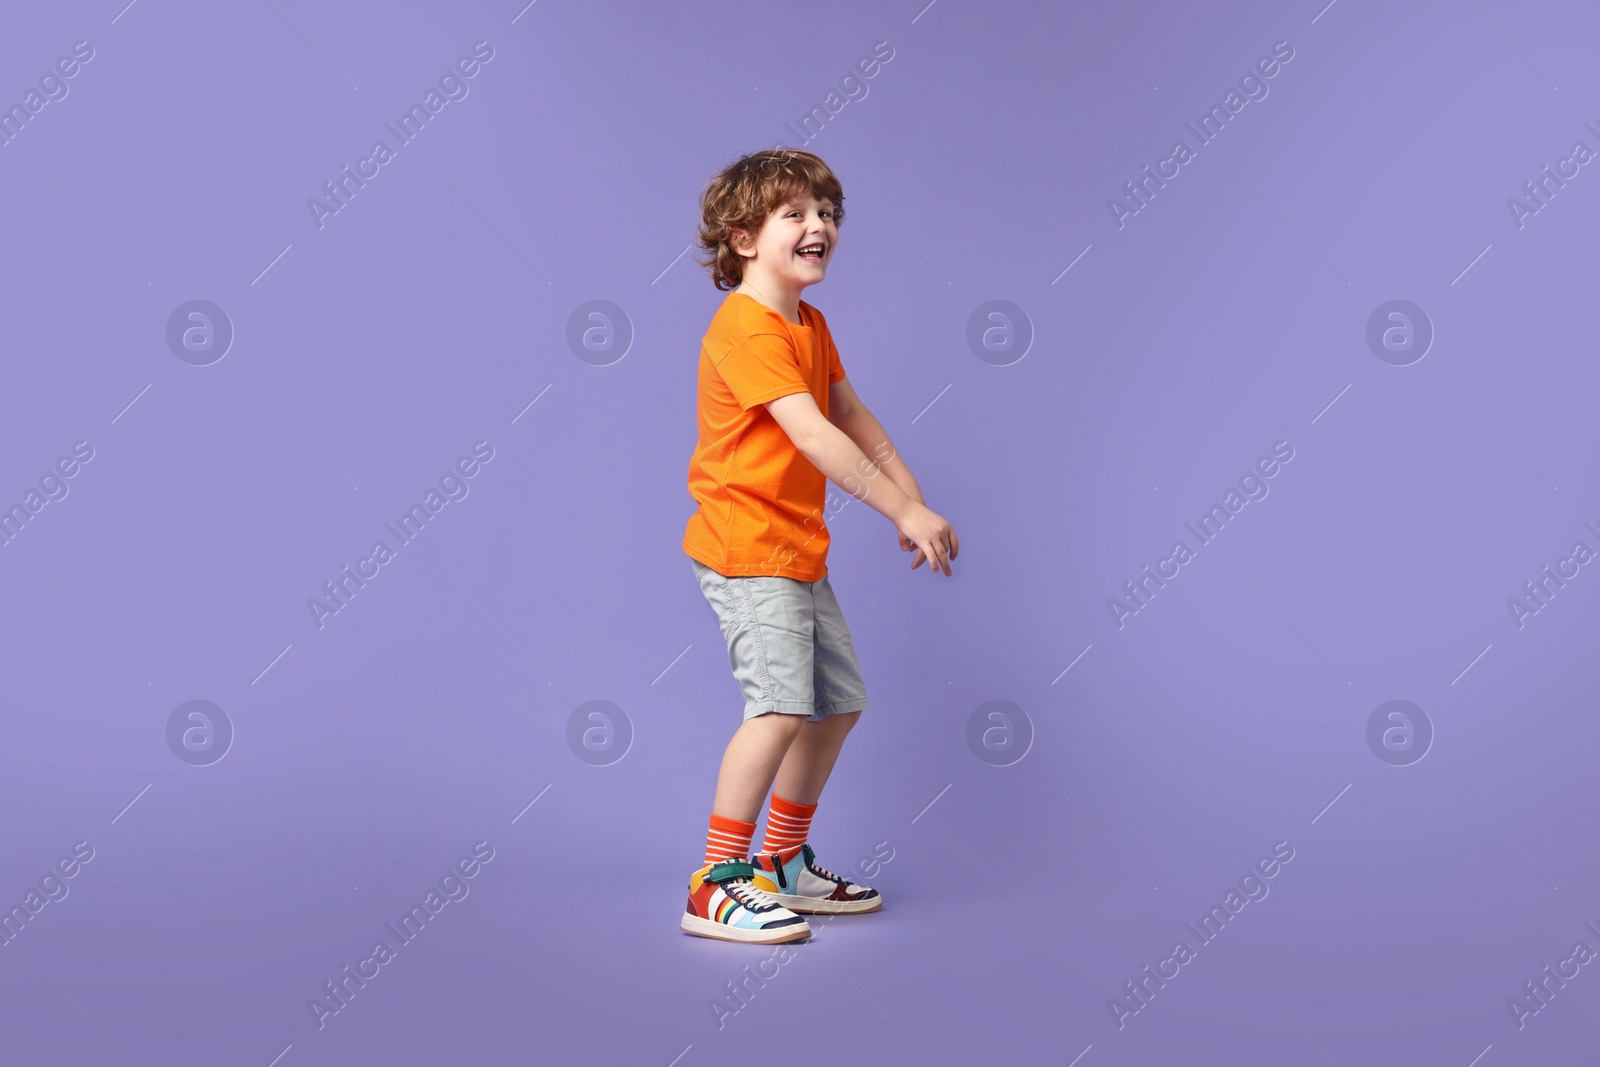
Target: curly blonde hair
column 746, row 191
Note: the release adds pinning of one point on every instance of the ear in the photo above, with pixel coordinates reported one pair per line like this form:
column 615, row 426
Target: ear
column 742, row 242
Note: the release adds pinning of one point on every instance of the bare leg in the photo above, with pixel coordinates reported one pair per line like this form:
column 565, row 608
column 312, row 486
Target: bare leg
column 751, row 760
column 809, row 760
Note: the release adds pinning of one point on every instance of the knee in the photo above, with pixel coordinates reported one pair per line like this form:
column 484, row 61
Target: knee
column 785, row 727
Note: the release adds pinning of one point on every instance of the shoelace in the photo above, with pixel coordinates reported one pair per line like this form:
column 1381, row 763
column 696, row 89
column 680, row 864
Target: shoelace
column 749, row 894
column 820, row 869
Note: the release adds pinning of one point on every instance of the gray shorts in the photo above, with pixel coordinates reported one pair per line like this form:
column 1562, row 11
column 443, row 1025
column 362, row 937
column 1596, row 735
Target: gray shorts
column 787, row 643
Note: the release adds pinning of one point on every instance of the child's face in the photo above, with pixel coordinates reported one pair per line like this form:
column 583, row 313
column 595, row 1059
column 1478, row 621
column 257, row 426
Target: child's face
column 802, row 224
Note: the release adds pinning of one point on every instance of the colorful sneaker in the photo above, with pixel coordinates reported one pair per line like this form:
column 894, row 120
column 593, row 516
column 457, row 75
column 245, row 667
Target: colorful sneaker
column 724, row 903
column 792, row 877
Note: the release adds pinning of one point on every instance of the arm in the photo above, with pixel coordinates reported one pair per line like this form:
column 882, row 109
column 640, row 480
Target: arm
column 841, row 460
column 838, row 457
column 850, row 415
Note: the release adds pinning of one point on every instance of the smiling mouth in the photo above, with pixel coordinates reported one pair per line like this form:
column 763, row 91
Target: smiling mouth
column 811, row 253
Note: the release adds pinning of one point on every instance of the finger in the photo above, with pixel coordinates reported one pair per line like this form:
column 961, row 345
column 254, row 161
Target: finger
column 955, row 544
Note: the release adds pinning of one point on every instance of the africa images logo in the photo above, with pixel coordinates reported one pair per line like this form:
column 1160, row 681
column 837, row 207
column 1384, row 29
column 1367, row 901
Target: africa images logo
column 1252, row 487
column 453, row 485
column 1252, row 84
column 341, row 190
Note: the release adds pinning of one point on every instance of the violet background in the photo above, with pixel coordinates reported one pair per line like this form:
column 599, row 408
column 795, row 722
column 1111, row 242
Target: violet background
column 427, row 314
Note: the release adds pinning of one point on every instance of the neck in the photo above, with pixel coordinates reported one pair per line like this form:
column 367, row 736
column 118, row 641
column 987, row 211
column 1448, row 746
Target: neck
column 775, row 294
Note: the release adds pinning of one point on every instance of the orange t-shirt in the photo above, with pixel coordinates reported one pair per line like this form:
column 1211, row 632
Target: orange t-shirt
column 761, row 501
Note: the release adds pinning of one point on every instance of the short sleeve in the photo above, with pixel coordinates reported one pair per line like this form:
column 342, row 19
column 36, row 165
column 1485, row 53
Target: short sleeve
column 835, row 368
column 762, row 367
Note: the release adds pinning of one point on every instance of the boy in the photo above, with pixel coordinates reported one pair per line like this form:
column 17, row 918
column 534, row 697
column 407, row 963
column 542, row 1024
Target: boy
column 776, row 419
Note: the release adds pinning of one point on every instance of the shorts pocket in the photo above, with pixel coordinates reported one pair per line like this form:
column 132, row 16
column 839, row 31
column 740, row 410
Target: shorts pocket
column 740, row 611
column 719, row 593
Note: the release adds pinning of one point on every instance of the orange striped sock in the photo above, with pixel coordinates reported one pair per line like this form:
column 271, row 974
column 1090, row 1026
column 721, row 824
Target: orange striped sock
column 788, row 824
column 728, row 838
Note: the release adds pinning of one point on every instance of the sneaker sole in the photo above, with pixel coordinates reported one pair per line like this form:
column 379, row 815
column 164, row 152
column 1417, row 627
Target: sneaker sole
column 693, row 924
column 818, row 906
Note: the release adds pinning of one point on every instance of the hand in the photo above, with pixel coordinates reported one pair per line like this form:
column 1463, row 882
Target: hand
column 931, row 537
column 905, row 542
